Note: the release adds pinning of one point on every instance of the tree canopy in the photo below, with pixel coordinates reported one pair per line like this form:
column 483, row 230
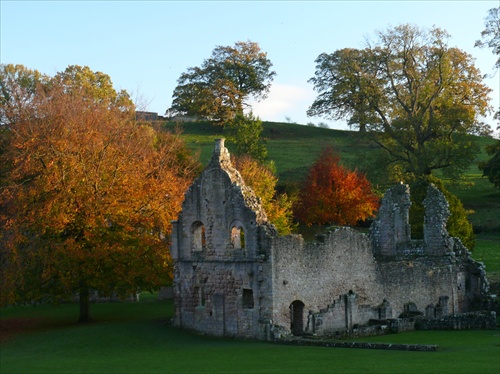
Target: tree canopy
column 18, row 91
column 491, row 167
column 490, row 36
column 417, row 97
column 333, row 194
column 245, row 132
column 221, row 87
column 262, row 180
column 87, row 198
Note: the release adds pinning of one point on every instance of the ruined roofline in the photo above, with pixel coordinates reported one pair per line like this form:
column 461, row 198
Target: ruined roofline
column 221, row 158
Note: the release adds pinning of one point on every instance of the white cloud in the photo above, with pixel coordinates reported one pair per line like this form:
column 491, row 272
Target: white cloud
column 285, row 100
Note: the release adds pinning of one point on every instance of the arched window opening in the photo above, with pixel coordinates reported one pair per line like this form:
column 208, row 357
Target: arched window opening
column 199, row 241
column 238, row 237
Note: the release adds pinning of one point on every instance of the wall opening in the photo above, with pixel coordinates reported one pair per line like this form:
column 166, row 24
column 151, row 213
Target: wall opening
column 199, row 240
column 248, row 298
column 238, row 237
column 297, row 318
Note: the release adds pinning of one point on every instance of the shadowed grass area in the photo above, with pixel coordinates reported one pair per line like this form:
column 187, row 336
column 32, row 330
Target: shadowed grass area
column 137, row 338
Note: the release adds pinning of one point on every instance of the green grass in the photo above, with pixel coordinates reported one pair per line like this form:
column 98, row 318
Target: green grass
column 137, row 338
column 293, row 149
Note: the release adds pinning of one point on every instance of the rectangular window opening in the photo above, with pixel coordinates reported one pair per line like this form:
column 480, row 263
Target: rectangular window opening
column 248, row 298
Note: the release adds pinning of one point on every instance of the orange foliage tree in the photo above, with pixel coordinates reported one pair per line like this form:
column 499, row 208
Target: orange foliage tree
column 334, row 194
column 86, row 199
column 261, row 179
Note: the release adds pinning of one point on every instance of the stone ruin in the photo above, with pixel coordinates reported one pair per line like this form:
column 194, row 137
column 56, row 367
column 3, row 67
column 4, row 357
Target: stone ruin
column 234, row 276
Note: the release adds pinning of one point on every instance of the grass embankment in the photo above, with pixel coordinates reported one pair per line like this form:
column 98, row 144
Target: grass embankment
column 293, row 149
column 137, row 338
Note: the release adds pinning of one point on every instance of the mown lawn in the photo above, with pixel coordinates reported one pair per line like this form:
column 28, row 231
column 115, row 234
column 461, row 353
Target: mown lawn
column 137, row 338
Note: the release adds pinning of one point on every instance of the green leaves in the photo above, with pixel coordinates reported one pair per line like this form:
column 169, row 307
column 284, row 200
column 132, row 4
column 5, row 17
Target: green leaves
column 220, row 88
column 245, row 132
column 417, row 97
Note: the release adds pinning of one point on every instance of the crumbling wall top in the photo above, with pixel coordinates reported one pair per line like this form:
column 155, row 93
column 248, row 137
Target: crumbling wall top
column 221, row 158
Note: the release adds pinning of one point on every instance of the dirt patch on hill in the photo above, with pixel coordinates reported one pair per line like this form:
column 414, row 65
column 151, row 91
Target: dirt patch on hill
column 10, row 327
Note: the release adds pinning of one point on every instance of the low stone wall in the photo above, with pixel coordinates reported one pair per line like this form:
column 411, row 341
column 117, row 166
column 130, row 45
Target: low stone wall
column 362, row 345
column 466, row 321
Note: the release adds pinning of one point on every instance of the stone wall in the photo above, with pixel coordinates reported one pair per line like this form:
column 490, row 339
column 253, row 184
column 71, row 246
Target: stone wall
column 465, row 321
column 318, row 273
column 235, row 276
column 218, row 247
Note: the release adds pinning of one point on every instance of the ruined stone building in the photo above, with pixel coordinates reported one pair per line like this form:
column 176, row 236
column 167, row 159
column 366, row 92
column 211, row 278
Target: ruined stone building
column 235, row 276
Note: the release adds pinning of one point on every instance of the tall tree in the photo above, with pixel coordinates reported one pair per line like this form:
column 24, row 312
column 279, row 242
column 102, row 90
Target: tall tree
column 490, row 36
column 334, row 194
column 417, row 97
column 221, row 87
column 87, row 202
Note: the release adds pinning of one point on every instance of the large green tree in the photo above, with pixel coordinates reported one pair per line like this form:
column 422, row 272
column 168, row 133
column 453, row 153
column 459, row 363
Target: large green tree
column 221, row 87
column 490, row 37
column 418, row 98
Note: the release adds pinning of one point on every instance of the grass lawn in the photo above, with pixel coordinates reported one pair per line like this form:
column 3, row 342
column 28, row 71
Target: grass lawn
column 137, row 338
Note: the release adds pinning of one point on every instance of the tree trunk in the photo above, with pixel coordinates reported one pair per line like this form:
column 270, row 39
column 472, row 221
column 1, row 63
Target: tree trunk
column 84, row 304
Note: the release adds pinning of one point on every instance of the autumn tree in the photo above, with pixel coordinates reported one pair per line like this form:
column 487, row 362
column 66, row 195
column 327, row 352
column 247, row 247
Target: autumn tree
column 95, row 86
column 87, row 202
column 221, row 87
column 262, row 180
column 18, row 91
column 332, row 194
column 418, row 98
column 245, row 132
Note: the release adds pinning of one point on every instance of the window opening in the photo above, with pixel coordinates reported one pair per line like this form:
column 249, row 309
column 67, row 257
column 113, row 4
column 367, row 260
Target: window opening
column 248, row 298
column 238, row 237
column 199, row 241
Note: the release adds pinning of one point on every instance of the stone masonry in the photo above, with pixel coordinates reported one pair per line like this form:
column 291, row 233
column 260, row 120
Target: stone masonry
column 235, row 276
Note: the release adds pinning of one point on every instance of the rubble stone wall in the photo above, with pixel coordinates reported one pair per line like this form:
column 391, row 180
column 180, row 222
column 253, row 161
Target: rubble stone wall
column 235, row 276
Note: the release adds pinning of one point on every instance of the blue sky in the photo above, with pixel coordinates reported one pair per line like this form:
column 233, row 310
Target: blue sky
column 144, row 46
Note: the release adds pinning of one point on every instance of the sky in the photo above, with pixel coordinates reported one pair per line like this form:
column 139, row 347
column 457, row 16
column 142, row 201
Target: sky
column 144, row 46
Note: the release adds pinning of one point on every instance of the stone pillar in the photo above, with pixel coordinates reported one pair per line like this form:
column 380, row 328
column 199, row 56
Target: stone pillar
column 436, row 237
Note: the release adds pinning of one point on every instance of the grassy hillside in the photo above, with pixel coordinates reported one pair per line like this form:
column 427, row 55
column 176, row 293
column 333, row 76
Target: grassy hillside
column 294, row 148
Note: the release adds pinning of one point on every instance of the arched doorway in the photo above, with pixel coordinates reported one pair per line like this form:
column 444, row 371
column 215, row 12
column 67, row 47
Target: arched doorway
column 297, row 317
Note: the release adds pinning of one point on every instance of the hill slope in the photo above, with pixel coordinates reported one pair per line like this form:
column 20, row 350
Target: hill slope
column 293, row 149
